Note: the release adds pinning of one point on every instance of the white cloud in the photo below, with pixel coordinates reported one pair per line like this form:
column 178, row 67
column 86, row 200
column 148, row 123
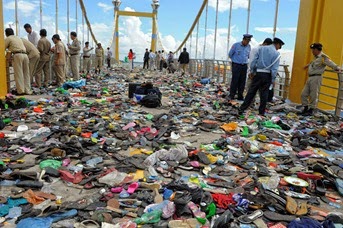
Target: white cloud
column 105, row 7
column 224, row 5
column 278, row 30
column 24, row 7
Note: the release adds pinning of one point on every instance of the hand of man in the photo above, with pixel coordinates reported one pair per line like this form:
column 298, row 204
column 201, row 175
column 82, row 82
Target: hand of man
column 251, row 75
column 305, row 67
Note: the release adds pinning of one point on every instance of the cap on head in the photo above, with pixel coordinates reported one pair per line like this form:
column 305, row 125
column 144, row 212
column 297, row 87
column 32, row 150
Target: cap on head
column 268, row 41
column 247, row 36
column 56, row 36
column 317, row 46
column 99, row 44
column 278, row 41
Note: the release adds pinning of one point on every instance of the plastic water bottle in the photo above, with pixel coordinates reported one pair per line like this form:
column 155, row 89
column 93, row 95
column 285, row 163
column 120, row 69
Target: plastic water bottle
column 94, row 161
column 158, row 207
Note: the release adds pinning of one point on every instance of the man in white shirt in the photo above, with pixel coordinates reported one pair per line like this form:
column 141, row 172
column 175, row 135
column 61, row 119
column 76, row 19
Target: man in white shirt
column 31, row 35
column 108, row 58
column 152, row 57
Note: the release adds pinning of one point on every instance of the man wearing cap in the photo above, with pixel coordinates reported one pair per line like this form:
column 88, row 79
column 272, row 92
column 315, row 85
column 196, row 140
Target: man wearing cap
column 309, row 95
column 16, row 48
column 99, row 58
column 74, row 51
column 86, row 58
column 239, row 55
column 265, row 67
column 59, row 60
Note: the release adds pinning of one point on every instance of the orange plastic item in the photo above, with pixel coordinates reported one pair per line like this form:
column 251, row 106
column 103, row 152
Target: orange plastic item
column 86, row 135
column 273, row 164
column 38, row 110
column 276, row 143
column 229, row 126
column 32, row 198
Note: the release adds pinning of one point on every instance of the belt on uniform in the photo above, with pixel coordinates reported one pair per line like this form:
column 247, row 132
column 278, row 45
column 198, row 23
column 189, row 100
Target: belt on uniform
column 19, row 52
column 242, row 64
column 74, row 54
column 263, row 71
column 312, row 75
column 86, row 56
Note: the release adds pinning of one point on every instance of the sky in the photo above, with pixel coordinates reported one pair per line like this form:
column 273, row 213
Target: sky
column 175, row 18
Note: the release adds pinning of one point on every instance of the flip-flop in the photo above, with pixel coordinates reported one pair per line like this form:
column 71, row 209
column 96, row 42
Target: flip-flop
column 117, row 189
column 246, row 219
column 132, row 187
column 339, row 185
column 124, row 194
column 302, row 209
column 273, row 216
column 87, row 224
column 291, row 205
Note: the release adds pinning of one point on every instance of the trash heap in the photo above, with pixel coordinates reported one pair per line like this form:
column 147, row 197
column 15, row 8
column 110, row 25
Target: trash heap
column 85, row 155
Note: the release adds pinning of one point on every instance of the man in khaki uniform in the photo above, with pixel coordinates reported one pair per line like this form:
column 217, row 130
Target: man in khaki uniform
column 99, row 54
column 43, row 47
column 59, row 59
column 309, row 95
column 74, row 51
column 15, row 46
column 34, row 56
column 86, row 58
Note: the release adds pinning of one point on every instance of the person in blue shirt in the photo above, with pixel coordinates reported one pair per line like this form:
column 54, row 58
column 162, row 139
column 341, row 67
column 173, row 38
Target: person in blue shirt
column 264, row 67
column 239, row 55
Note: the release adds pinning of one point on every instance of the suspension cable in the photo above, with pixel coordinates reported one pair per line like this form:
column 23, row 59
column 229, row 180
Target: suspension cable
column 193, row 25
column 87, row 21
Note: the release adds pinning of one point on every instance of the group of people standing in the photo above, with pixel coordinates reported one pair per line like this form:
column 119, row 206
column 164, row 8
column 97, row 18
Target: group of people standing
column 31, row 58
column 159, row 60
column 261, row 66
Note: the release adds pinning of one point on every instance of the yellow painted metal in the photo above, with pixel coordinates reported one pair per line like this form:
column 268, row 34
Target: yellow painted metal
column 116, row 34
column 154, row 33
column 3, row 78
column 135, row 14
column 319, row 21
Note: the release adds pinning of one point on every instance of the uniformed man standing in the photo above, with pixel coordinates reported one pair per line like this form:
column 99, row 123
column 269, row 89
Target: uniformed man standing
column 34, row 56
column 239, row 55
column 74, row 51
column 99, row 58
column 86, row 58
column 16, row 48
column 264, row 66
column 309, row 95
column 31, row 35
column 43, row 47
column 59, row 60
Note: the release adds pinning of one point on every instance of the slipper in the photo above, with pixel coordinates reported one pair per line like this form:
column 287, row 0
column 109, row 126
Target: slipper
column 87, row 224
column 273, row 216
column 224, row 219
column 260, row 223
column 291, row 205
column 132, row 187
column 246, row 219
column 339, row 185
column 302, row 209
column 320, row 187
column 124, row 194
column 117, row 189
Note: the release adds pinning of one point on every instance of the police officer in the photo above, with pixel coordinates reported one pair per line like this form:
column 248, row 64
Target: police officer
column 309, row 95
column 239, row 54
column 74, row 51
column 264, row 66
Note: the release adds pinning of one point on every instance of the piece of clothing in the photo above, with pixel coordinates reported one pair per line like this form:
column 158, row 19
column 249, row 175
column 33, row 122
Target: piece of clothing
column 99, row 52
column 87, row 51
column 252, row 54
column 261, row 82
column 152, row 55
column 239, row 76
column 31, row 50
column 14, row 44
column 184, row 57
column 75, row 47
column 130, row 55
column 43, row 67
column 109, row 54
column 267, row 58
column 239, row 53
column 131, row 64
column 146, row 55
column 99, row 62
column 318, row 65
column 86, row 65
column 44, row 47
column 74, row 65
column 152, row 64
column 21, row 73
column 183, row 67
column 146, row 64
column 60, row 53
column 33, row 37
column 33, row 64
column 60, row 74
column 309, row 94
column 108, row 60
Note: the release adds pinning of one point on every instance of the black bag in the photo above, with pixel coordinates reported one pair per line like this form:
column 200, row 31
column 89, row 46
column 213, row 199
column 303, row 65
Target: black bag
column 132, row 88
column 140, row 90
column 151, row 101
column 154, row 90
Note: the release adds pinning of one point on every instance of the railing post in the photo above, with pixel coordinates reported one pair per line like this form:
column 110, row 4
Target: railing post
column 286, row 85
column 339, row 101
column 224, row 71
column 8, row 76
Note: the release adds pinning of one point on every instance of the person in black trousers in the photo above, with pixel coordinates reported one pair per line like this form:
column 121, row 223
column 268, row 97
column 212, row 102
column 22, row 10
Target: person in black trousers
column 146, row 59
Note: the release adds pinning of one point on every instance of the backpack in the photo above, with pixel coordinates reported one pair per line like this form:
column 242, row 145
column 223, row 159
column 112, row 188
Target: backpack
column 151, row 101
column 154, row 90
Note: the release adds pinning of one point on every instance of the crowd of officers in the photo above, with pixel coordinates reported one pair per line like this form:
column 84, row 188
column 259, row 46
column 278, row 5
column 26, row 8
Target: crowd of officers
column 31, row 59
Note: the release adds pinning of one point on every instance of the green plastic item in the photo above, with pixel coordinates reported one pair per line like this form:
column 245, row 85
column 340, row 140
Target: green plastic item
column 85, row 102
column 151, row 217
column 201, row 220
column 149, row 116
column 2, row 163
column 245, row 131
column 7, row 120
column 126, row 59
column 270, row 124
column 211, row 210
column 50, row 163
